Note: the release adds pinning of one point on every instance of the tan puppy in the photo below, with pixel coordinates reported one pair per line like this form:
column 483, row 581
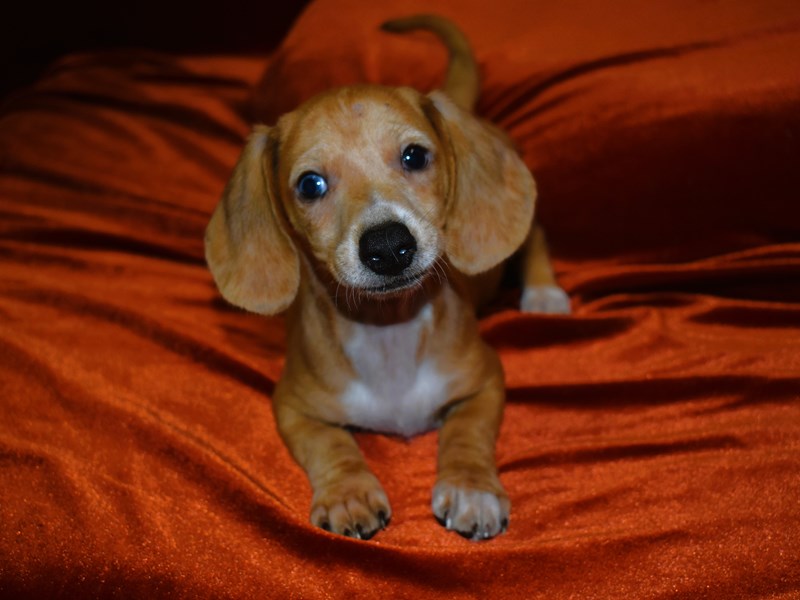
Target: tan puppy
column 378, row 217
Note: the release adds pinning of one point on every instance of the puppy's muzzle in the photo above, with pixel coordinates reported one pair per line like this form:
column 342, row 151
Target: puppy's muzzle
column 387, row 249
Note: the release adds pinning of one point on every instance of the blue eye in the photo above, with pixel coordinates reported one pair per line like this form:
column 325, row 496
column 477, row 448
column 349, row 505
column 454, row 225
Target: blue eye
column 415, row 157
column 311, row 186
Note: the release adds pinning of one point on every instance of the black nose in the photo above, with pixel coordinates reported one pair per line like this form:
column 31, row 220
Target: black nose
column 387, row 249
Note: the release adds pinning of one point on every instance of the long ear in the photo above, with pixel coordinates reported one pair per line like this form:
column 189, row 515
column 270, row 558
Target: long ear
column 248, row 250
column 492, row 192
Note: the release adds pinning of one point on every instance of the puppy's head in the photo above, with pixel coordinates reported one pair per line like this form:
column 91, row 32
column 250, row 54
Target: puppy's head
column 374, row 185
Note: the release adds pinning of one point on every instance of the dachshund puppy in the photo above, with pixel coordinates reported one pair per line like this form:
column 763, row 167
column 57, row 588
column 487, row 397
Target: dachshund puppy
column 378, row 218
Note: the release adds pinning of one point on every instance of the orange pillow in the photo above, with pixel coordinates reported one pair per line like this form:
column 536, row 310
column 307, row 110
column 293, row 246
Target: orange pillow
column 656, row 131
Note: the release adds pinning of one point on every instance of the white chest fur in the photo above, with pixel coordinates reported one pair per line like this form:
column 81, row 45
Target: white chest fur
column 398, row 388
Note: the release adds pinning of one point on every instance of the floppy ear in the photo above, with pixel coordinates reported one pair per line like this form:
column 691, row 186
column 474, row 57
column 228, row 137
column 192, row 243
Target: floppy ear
column 248, row 249
column 491, row 191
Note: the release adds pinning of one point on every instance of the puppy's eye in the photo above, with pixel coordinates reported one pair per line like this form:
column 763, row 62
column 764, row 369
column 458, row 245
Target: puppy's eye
column 311, row 186
column 415, row 157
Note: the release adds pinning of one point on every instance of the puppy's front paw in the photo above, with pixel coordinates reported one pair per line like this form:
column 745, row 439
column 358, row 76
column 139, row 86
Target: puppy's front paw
column 354, row 506
column 472, row 513
column 547, row 299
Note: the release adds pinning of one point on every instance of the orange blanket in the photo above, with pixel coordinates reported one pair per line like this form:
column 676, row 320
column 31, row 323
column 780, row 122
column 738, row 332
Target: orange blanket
column 650, row 445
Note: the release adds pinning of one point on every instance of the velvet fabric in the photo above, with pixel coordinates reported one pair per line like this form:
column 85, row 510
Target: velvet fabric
column 650, row 441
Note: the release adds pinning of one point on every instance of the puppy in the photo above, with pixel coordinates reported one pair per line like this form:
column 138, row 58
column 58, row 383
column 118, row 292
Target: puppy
column 378, row 218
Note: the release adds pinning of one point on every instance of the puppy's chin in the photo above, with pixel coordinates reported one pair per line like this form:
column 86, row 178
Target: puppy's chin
column 396, row 286
column 395, row 300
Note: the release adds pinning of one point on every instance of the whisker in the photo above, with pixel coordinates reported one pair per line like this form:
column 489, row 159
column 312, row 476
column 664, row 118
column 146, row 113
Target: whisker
column 428, row 212
column 439, row 269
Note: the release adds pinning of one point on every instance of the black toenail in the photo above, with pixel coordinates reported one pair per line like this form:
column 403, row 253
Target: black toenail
column 468, row 535
column 382, row 520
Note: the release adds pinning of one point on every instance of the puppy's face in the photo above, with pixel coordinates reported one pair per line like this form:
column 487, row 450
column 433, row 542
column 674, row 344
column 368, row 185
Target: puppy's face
column 363, row 182
column 374, row 185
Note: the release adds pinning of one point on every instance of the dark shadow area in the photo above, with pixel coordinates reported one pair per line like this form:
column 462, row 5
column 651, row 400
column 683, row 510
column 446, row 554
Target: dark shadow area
column 34, row 35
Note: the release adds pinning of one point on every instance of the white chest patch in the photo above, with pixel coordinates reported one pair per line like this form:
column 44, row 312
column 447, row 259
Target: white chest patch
column 397, row 389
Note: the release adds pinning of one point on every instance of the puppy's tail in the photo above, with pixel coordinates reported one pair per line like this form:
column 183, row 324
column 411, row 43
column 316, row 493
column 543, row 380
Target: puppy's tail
column 462, row 82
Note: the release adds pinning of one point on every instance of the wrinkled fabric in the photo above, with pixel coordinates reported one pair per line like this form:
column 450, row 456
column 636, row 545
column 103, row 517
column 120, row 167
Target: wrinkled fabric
column 650, row 441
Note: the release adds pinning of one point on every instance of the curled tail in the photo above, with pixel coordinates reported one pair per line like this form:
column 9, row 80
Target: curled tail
column 462, row 82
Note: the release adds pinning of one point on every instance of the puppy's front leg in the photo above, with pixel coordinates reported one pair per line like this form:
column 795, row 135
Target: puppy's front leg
column 468, row 496
column 348, row 499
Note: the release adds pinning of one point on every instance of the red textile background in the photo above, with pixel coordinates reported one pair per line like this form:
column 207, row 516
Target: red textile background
column 650, row 446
